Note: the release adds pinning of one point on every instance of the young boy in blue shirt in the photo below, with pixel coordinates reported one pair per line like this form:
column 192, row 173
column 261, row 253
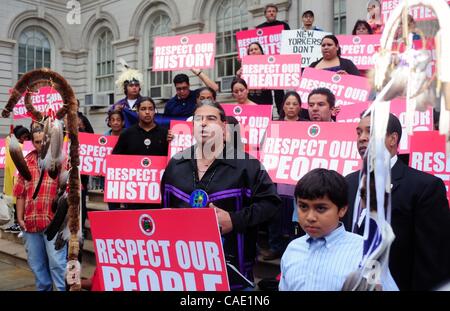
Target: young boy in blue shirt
column 323, row 258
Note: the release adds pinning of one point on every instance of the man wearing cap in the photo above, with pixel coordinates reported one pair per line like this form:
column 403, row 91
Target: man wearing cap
column 270, row 12
column 308, row 21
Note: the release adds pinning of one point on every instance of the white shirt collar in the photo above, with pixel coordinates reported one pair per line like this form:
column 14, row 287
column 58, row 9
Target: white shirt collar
column 393, row 161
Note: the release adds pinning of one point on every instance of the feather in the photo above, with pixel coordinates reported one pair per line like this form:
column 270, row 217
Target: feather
column 46, row 142
column 127, row 74
column 17, row 156
column 55, row 157
column 59, row 220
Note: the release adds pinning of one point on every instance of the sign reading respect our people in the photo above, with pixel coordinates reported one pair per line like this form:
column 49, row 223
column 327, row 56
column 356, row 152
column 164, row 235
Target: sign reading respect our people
column 428, row 155
column 360, row 49
column 268, row 37
column 276, row 72
column 304, row 42
column 134, row 179
column 253, row 121
column 93, row 151
column 43, row 99
column 183, row 137
column 423, row 120
column 292, row 149
column 419, row 13
column 184, row 52
column 348, row 89
column 159, row 250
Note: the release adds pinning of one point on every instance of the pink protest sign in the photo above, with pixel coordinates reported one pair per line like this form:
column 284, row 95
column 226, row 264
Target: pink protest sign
column 272, row 71
column 184, row 52
column 292, row 149
column 428, row 155
column 2, row 152
column 43, row 100
column 420, row 13
column 423, row 120
column 159, row 250
column 133, row 179
column 348, row 89
column 183, row 137
column 360, row 49
column 93, row 151
column 268, row 37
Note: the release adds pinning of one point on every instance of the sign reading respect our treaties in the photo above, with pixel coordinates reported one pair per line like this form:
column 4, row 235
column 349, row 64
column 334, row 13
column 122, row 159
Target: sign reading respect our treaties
column 276, row 72
column 184, row 52
column 348, row 89
column 159, row 250
column 419, row 13
column 134, row 179
column 268, row 37
column 292, row 149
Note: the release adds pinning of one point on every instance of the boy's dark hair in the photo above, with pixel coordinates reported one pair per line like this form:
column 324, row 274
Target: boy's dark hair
column 320, row 183
column 308, row 12
column 180, row 78
column 114, row 112
column 20, row 130
column 145, row 99
column 331, row 99
column 270, row 5
column 393, row 125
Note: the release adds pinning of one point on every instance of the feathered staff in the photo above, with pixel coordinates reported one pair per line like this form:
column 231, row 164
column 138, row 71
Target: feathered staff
column 70, row 107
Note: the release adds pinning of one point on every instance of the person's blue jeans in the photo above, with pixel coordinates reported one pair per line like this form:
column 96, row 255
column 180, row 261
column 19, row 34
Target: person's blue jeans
column 48, row 265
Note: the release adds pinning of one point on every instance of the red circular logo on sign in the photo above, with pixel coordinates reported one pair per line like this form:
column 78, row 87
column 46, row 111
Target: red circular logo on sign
column 146, row 224
column 184, row 40
column 314, row 131
column 102, row 140
column 271, row 59
column 237, row 110
column 146, row 162
column 356, row 40
column 336, row 78
column 260, row 32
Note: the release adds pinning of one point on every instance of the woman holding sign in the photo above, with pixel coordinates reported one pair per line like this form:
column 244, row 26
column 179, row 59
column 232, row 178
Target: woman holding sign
column 331, row 58
column 216, row 175
column 262, row 97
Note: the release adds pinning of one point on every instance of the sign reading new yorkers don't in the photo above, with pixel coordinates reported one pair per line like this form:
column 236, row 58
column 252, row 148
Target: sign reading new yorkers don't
column 184, row 52
column 159, row 250
column 93, row 151
column 134, row 179
column 292, row 149
column 268, row 37
column 348, row 89
column 276, row 72
column 306, row 43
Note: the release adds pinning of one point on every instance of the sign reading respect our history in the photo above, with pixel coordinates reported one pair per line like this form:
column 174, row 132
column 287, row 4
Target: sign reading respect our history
column 268, row 37
column 43, row 100
column 159, row 250
column 423, row 120
column 93, row 151
column 304, row 42
column 272, row 72
column 133, row 179
column 184, row 52
column 348, row 89
column 428, row 155
column 419, row 13
column 292, row 149
column 360, row 49
column 183, row 137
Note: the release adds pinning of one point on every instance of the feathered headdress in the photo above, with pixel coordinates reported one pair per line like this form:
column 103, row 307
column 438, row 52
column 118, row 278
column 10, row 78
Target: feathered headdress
column 128, row 75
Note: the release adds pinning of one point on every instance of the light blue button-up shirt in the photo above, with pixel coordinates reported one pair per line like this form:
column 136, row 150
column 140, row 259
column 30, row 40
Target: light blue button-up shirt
column 322, row 264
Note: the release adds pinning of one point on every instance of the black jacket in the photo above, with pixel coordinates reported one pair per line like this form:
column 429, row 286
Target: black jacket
column 346, row 65
column 239, row 186
column 419, row 258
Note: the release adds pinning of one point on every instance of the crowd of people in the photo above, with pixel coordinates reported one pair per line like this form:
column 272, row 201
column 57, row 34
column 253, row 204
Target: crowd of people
column 328, row 245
